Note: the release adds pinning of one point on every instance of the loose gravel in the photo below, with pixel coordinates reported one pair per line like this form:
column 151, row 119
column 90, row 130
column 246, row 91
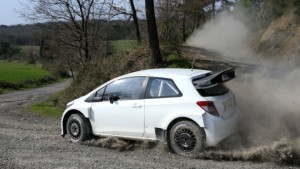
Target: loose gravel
column 31, row 141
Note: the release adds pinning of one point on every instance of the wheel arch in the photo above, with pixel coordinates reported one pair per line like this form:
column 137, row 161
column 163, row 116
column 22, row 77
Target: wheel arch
column 195, row 146
column 173, row 122
column 65, row 119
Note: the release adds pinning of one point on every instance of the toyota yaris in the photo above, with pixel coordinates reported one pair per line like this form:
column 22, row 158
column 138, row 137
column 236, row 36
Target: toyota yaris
column 186, row 108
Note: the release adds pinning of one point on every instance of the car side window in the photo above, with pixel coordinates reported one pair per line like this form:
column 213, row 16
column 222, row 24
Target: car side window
column 125, row 89
column 159, row 88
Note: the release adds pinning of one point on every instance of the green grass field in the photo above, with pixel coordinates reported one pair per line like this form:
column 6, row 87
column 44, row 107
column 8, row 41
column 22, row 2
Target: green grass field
column 118, row 46
column 46, row 108
column 29, row 49
column 13, row 72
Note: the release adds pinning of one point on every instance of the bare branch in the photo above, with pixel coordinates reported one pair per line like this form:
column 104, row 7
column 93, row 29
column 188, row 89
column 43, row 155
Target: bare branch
column 74, row 24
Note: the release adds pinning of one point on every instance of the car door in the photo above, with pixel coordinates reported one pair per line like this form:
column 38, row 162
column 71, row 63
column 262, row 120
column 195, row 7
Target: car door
column 120, row 111
column 162, row 97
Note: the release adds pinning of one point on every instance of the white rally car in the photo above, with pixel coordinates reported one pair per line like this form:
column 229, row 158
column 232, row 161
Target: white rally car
column 188, row 109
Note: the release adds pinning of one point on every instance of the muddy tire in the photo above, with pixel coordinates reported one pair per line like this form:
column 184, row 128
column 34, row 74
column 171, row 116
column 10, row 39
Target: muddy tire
column 78, row 128
column 186, row 139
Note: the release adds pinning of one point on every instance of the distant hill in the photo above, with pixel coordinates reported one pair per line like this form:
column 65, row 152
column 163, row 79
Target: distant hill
column 31, row 34
column 19, row 34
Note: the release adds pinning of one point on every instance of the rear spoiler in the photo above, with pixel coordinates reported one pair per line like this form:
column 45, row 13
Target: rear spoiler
column 214, row 79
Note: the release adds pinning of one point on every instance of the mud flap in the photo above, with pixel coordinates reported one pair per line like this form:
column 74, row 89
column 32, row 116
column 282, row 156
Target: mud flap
column 161, row 135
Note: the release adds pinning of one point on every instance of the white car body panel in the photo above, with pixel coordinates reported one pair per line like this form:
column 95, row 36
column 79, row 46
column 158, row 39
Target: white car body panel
column 159, row 113
column 137, row 119
column 216, row 128
column 123, row 117
column 79, row 105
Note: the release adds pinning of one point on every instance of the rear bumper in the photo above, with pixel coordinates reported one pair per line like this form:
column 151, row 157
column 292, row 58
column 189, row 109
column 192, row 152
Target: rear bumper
column 217, row 129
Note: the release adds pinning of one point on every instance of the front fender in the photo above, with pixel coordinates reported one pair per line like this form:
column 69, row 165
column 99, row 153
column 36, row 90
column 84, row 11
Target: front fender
column 85, row 111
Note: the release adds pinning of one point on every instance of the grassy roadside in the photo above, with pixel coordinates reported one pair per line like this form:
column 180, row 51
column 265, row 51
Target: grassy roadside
column 47, row 108
column 176, row 61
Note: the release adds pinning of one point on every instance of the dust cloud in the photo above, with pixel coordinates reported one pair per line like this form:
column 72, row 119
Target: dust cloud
column 267, row 94
column 225, row 34
column 269, row 118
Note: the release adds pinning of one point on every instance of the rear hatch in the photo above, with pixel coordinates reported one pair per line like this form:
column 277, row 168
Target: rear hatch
column 220, row 100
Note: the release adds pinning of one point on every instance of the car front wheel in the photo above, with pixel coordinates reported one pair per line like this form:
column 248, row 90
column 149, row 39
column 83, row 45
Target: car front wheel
column 78, row 128
column 186, row 138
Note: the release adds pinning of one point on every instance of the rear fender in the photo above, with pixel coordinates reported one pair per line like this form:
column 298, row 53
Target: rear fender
column 198, row 119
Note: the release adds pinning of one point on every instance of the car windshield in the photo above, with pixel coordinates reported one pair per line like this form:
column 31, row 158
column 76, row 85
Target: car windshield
column 217, row 90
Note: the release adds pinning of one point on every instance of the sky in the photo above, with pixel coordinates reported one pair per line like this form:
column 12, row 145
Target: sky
column 9, row 14
column 9, row 11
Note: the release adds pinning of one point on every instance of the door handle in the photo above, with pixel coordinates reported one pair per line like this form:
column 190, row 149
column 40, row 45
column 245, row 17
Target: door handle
column 136, row 105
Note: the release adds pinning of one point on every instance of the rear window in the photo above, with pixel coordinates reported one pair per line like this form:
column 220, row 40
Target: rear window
column 161, row 88
column 217, row 90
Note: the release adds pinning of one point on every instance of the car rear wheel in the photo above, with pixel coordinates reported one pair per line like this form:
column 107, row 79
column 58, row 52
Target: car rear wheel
column 78, row 128
column 187, row 138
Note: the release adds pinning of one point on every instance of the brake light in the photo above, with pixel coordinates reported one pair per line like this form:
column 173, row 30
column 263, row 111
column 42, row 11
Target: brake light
column 209, row 107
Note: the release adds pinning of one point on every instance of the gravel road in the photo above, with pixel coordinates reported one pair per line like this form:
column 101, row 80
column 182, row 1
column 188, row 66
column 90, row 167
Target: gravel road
column 30, row 141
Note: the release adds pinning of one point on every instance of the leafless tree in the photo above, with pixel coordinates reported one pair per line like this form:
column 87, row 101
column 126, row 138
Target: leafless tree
column 75, row 24
column 179, row 18
column 119, row 10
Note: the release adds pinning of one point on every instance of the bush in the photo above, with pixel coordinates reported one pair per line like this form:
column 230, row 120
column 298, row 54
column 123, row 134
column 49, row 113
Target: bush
column 99, row 72
column 268, row 10
column 272, row 9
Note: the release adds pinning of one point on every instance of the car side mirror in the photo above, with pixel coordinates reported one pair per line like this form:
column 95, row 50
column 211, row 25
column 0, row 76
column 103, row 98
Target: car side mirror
column 113, row 98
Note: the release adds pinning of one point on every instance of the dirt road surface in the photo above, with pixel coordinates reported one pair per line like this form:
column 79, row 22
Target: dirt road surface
column 30, row 141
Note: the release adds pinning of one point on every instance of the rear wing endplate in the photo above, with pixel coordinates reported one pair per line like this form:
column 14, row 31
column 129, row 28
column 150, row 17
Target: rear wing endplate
column 214, row 79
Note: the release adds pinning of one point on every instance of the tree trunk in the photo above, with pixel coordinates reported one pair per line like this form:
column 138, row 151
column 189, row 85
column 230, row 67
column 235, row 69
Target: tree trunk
column 135, row 21
column 183, row 28
column 42, row 48
column 213, row 9
column 71, row 69
column 152, row 32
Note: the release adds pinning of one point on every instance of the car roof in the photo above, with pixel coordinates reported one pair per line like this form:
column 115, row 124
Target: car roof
column 167, row 72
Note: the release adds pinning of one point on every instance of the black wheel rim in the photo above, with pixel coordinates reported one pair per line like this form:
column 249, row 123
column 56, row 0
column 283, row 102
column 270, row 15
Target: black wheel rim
column 185, row 139
column 74, row 129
